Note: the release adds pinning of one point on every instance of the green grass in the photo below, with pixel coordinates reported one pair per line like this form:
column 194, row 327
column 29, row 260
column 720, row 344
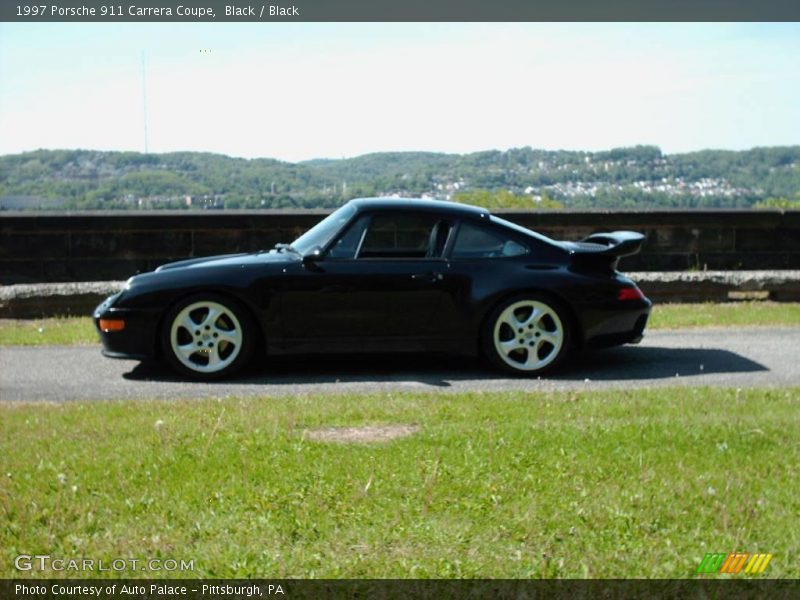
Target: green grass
column 80, row 330
column 602, row 484
column 41, row 332
column 731, row 314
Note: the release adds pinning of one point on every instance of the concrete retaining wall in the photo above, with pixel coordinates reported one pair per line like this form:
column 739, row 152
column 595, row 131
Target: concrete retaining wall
column 35, row 300
column 30, row 301
column 719, row 286
column 61, row 247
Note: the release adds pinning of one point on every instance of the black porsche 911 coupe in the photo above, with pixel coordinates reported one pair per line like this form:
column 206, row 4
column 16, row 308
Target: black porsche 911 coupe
column 384, row 275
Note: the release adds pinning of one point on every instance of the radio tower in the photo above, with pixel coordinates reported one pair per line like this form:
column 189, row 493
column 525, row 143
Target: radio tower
column 144, row 99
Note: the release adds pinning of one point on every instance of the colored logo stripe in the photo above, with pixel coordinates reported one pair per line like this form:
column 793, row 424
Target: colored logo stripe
column 711, row 563
column 734, row 562
column 757, row 563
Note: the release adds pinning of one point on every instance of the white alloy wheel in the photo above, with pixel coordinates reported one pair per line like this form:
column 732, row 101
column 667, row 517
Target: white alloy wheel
column 528, row 335
column 206, row 337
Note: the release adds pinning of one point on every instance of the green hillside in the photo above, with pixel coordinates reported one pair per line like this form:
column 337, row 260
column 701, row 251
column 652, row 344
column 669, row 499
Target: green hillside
column 637, row 177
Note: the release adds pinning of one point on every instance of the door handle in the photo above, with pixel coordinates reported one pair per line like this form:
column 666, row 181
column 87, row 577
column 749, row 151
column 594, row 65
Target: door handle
column 429, row 277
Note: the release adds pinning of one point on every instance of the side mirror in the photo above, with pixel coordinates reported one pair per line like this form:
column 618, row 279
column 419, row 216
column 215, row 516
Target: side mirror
column 310, row 259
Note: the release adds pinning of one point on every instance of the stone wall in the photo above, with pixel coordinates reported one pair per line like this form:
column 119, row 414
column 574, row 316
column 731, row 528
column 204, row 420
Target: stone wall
column 37, row 300
column 97, row 246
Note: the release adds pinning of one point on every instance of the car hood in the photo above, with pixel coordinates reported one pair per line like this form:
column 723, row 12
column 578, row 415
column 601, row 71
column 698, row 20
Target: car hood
column 231, row 260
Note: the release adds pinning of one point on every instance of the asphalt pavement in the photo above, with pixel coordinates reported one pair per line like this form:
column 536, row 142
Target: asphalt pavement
column 729, row 357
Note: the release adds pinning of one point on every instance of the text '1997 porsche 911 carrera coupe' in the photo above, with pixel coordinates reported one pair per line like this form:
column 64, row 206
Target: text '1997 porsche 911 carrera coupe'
column 385, row 275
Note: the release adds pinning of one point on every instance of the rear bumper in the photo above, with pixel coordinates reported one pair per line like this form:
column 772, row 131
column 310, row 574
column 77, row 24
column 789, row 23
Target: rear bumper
column 138, row 340
column 621, row 323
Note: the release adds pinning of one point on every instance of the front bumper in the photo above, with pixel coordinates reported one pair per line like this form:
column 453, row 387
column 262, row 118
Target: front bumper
column 139, row 338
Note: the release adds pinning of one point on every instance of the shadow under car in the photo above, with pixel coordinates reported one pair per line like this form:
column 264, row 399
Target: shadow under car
column 622, row 363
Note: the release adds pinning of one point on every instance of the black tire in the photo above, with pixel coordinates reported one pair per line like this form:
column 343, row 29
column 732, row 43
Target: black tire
column 534, row 344
column 205, row 345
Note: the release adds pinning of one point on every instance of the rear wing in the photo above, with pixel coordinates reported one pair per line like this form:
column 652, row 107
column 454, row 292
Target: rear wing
column 617, row 243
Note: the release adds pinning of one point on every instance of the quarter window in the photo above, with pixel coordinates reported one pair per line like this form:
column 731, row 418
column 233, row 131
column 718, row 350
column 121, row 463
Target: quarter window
column 474, row 241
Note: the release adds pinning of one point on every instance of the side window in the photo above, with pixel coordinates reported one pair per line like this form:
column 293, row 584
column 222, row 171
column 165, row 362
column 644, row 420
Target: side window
column 347, row 245
column 474, row 241
column 393, row 235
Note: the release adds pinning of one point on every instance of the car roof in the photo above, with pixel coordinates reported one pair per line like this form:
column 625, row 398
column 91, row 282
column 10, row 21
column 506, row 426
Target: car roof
column 448, row 208
column 420, row 204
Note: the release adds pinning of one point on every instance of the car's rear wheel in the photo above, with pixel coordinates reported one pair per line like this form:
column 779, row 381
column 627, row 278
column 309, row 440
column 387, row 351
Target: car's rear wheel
column 208, row 337
column 527, row 334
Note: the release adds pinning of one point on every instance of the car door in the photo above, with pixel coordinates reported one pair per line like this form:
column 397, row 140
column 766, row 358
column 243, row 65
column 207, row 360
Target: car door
column 377, row 287
column 479, row 267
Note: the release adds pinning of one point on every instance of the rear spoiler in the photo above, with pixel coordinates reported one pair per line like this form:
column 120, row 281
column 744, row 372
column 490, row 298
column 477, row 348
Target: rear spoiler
column 618, row 243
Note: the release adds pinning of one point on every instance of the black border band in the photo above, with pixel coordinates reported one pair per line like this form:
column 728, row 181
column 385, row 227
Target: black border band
column 488, row 589
column 397, row 10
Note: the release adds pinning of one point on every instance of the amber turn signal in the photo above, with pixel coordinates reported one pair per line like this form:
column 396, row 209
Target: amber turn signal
column 107, row 325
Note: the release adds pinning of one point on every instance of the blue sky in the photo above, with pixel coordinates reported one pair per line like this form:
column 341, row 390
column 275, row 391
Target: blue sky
column 306, row 90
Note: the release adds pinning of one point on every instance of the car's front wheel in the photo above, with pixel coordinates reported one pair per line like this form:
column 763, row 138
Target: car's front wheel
column 527, row 334
column 207, row 337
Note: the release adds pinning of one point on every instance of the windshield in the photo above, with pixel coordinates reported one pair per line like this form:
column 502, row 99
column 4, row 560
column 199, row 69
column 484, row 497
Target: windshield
column 323, row 232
